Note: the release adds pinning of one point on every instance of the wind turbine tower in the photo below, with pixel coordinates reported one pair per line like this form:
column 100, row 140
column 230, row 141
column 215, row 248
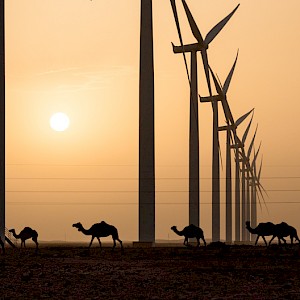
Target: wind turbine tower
column 146, row 127
column 2, row 124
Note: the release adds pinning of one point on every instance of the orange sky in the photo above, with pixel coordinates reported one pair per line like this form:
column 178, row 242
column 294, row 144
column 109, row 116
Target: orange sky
column 82, row 57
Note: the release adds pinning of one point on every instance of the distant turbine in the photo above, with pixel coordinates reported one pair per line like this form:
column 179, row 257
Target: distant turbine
column 237, row 144
column 255, row 181
column 249, row 175
column 2, row 123
column 202, row 45
column 146, row 128
column 230, row 127
column 244, row 160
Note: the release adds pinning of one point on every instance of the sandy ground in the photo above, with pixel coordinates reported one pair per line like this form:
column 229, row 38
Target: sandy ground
column 233, row 272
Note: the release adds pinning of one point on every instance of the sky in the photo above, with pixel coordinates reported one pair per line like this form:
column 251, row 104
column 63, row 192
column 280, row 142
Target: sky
column 81, row 57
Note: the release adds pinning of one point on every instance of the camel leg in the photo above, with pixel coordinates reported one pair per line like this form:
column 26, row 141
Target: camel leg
column 91, row 242
column 114, row 245
column 265, row 240
column 99, row 243
column 256, row 240
column 120, row 243
column 185, row 242
column 273, row 237
column 204, row 241
column 36, row 242
column 198, row 242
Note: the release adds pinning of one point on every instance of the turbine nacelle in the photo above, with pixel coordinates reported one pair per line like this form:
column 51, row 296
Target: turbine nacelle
column 189, row 48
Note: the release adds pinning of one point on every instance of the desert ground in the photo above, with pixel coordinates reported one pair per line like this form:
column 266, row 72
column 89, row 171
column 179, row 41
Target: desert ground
column 161, row 272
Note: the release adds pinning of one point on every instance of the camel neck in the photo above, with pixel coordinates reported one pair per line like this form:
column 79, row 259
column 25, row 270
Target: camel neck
column 85, row 231
column 251, row 230
column 16, row 236
column 178, row 232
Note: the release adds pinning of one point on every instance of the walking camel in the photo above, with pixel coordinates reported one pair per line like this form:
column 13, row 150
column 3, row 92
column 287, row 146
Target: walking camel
column 99, row 230
column 280, row 231
column 190, row 231
column 283, row 230
column 262, row 230
column 26, row 234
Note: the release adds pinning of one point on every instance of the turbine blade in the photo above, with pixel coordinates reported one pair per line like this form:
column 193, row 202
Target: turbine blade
column 193, row 25
column 253, row 164
column 260, row 186
column 173, row 4
column 220, row 154
column 259, row 172
column 217, row 85
column 246, row 131
column 252, row 142
column 226, row 109
column 206, row 69
column 242, row 118
column 216, row 29
column 258, row 197
column 228, row 79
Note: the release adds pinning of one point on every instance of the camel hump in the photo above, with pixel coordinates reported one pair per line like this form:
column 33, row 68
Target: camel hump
column 195, row 228
column 27, row 230
column 284, row 224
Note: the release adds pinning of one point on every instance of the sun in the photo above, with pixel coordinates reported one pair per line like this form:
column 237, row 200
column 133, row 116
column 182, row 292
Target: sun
column 59, row 121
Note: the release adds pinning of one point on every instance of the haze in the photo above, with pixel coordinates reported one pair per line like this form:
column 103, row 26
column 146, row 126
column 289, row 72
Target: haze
column 82, row 57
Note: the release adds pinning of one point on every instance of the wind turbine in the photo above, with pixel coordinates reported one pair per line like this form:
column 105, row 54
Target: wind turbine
column 250, row 175
column 255, row 181
column 146, row 127
column 202, row 46
column 256, row 184
column 2, row 123
column 230, row 127
column 244, row 158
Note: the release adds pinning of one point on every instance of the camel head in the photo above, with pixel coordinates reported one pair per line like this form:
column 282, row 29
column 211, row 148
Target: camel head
column 11, row 230
column 78, row 226
column 247, row 223
column 174, row 228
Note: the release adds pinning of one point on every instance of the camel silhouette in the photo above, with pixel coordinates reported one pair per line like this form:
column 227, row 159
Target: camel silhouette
column 99, row 230
column 262, row 230
column 26, row 234
column 190, row 231
column 283, row 230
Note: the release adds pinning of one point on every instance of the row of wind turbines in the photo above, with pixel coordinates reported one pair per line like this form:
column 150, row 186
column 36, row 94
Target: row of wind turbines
column 248, row 188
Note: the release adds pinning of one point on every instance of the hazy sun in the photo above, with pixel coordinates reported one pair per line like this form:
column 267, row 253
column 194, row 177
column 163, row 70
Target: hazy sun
column 59, row 121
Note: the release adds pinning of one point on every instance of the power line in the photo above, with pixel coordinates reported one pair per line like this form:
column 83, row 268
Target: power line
column 132, row 178
column 127, row 203
column 109, row 191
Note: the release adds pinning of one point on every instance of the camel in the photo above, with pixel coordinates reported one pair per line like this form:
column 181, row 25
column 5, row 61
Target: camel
column 190, row 231
column 283, row 230
column 100, row 230
column 26, row 234
column 262, row 230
